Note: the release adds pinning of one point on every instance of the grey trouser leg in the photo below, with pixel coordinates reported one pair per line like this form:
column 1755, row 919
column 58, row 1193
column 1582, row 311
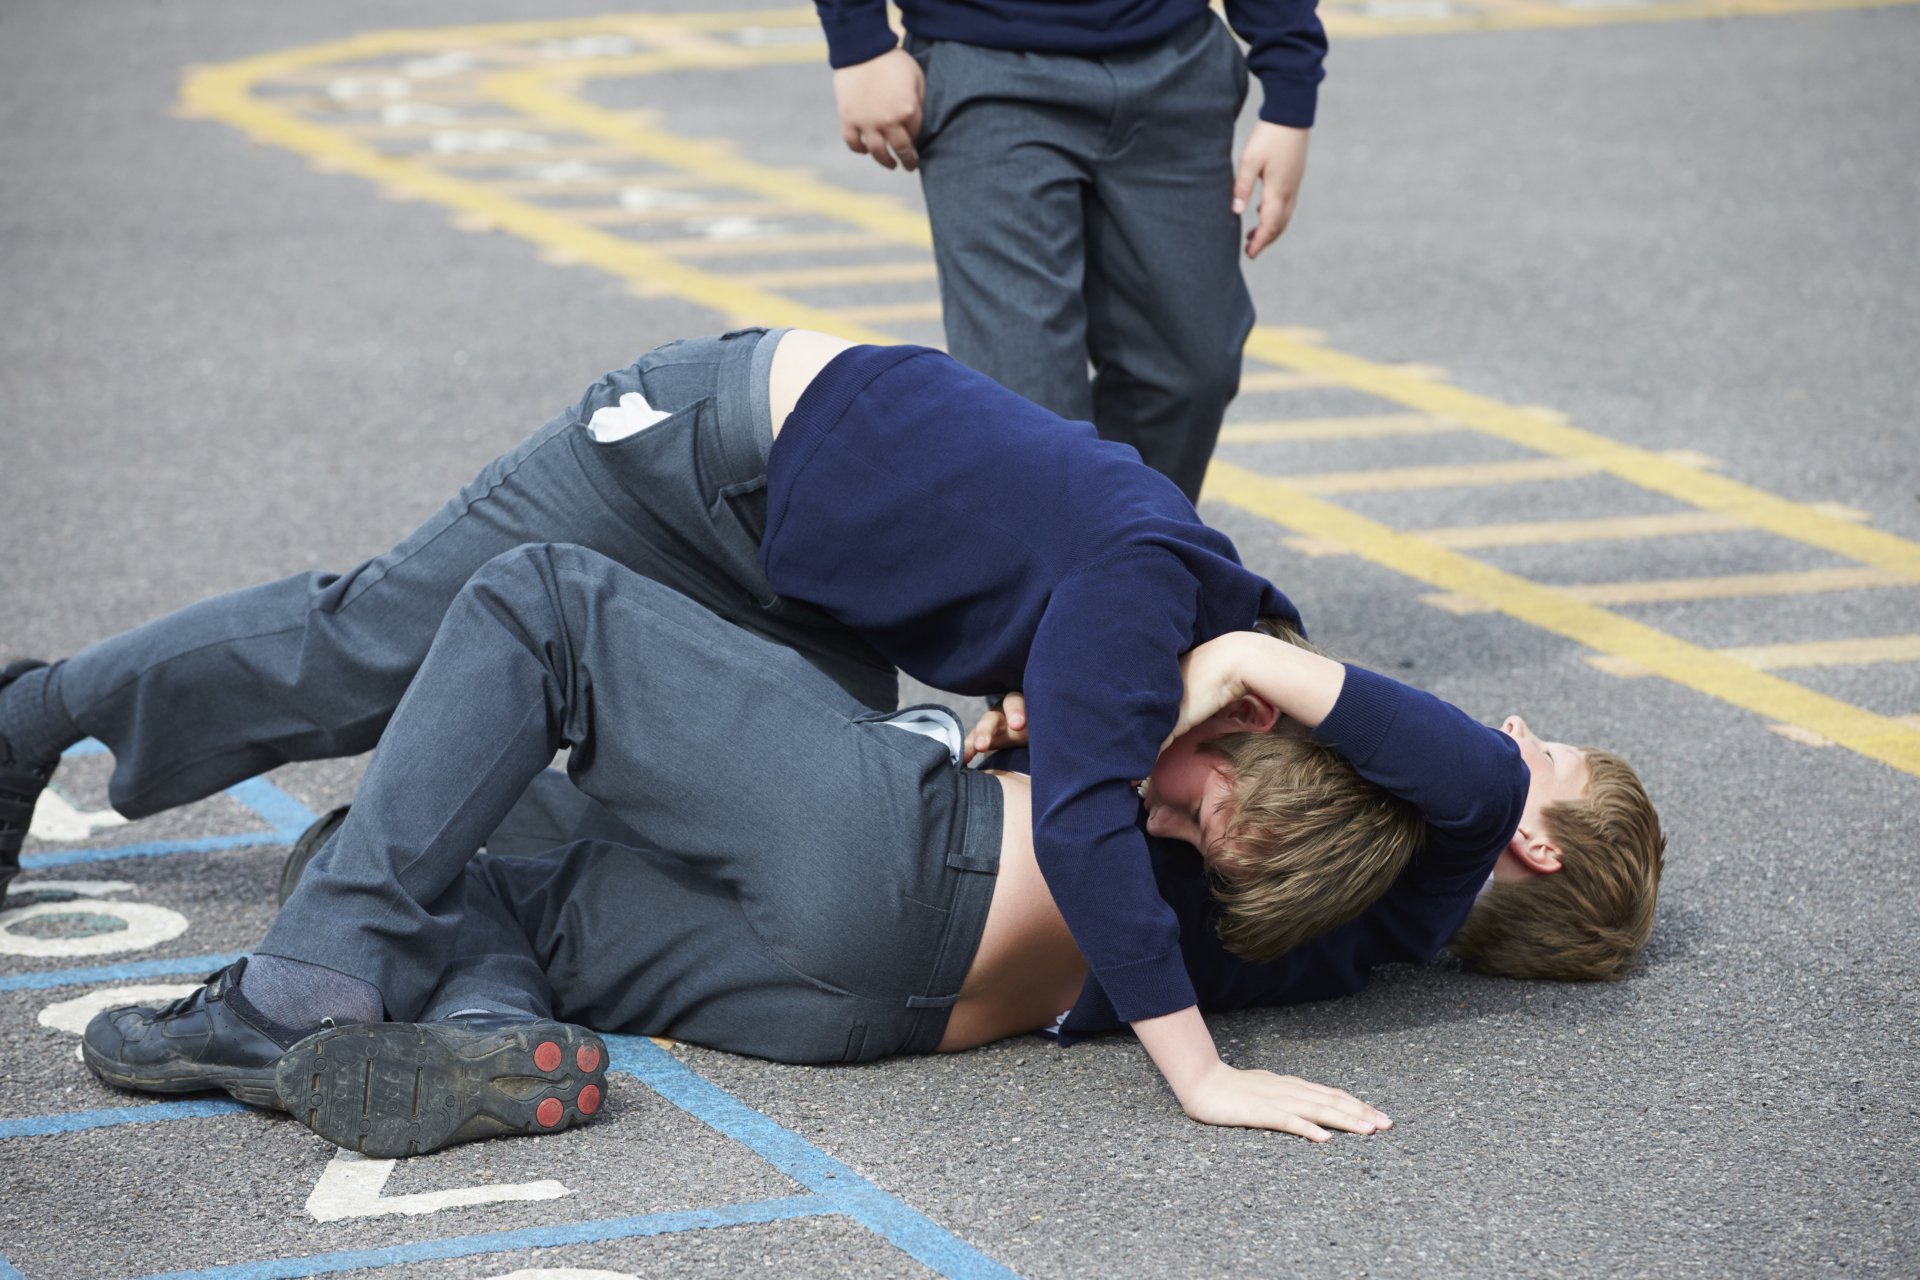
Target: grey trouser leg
column 1080, row 210
column 751, row 774
column 313, row 665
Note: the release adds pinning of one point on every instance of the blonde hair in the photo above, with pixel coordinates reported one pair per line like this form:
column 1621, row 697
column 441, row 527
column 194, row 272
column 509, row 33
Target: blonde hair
column 1310, row 844
column 1588, row 920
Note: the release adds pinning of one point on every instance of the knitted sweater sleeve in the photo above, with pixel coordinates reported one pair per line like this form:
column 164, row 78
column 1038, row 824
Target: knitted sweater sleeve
column 1103, row 688
column 856, row 30
column 1285, row 48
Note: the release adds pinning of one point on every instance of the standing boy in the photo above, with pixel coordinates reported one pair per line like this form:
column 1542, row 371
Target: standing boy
column 1077, row 166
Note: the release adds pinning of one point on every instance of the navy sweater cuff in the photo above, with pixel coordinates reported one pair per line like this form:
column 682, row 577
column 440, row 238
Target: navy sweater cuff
column 1148, row 988
column 1287, row 101
column 859, row 36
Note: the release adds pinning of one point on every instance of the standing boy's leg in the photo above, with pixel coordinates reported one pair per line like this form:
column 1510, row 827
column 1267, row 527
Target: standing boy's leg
column 313, row 665
column 1167, row 307
column 1007, row 151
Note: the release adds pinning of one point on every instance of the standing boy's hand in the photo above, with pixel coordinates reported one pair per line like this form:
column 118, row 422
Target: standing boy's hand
column 1275, row 157
column 1001, row 727
column 880, row 101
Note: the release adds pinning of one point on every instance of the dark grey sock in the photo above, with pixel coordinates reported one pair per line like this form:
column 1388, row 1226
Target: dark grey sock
column 298, row 995
column 34, row 722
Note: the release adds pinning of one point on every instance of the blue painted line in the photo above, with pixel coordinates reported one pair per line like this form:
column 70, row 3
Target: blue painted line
column 8, row 1271
column 84, row 747
column 198, row 966
column 287, row 816
column 109, row 1117
column 888, row 1217
column 652, row 1224
column 155, row 849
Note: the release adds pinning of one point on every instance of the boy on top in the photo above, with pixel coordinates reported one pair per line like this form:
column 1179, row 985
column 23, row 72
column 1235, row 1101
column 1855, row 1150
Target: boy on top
column 910, row 513
column 787, row 874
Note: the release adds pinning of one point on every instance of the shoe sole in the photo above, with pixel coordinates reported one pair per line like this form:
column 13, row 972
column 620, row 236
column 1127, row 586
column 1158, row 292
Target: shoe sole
column 391, row 1089
column 256, row 1088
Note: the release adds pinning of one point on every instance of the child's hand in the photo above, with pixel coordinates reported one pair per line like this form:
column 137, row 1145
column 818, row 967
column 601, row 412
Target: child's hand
column 1211, row 674
column 1004, row 726
column 1275, row 157
column 880, row 102
column 1262, row 1100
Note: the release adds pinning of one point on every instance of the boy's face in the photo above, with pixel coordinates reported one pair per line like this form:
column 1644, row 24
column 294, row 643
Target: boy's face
column 1187, row 795
column 1559, row 772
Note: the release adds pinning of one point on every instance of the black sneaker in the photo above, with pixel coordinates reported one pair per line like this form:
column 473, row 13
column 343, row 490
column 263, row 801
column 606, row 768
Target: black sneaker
column 389, row 1089
column 306, row 846
column 211, row 1039
column 20, row 788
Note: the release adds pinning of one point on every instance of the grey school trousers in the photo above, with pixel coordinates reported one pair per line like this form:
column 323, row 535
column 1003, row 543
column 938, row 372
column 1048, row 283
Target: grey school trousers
column 312, row 666
column 1080, row 210
column 801, row 881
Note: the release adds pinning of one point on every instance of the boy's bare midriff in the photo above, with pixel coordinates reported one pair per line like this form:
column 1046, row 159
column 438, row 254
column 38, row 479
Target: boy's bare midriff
column 1027, row 971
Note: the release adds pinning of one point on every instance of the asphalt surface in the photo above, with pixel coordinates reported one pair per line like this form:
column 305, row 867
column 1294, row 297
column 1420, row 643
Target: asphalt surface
column 220, row 365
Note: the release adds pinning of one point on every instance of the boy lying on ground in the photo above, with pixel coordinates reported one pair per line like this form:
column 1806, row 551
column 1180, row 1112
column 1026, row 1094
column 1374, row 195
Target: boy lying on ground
column 753, row 860
column 909, row 513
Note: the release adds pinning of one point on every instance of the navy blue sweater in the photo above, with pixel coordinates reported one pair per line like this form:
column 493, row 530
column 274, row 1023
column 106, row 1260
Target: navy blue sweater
column 1286, row 43
column 1467, row 780
column 982, row 543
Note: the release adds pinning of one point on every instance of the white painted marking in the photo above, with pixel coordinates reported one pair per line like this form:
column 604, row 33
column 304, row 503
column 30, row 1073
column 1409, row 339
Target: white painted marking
column 744, row 227
column 453, row 142
column 761, row 37
column 84, row 888
column 406, row 113
column 353, row 88
column 351, row 1186
column 440, row 64
column 146, row 925
column 588, row 47
column 658, row 198
column 569, row 171
column 74, row 1015
column 54, row 818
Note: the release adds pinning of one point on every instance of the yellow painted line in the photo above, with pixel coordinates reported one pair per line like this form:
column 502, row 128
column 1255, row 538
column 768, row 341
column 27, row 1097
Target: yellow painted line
column 1444, row 476
column 850, row 274
column 1864, row 651
column 1731, row 586
column 1861, row 652
column 1741, row 586
column 1544, row 433
column 1878, row 737
column 1533, row 533
column 1376, row 426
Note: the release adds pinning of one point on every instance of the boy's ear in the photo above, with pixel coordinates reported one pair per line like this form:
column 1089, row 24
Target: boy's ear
column 1532, row 848
column 1249, row 713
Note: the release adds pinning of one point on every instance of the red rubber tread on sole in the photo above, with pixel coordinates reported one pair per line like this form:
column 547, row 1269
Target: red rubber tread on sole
column 390, row 1089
